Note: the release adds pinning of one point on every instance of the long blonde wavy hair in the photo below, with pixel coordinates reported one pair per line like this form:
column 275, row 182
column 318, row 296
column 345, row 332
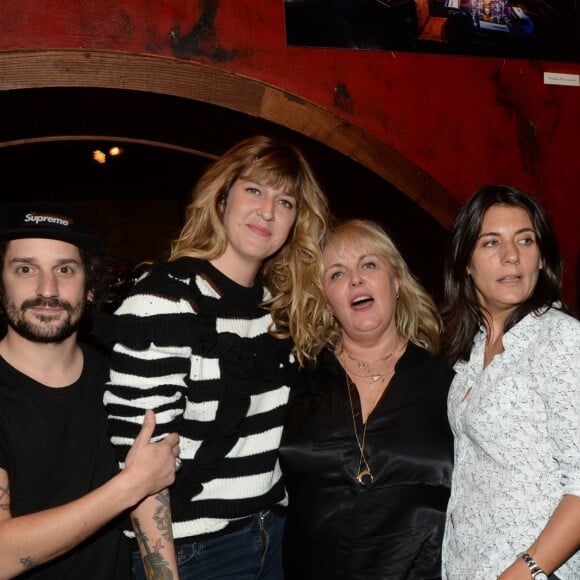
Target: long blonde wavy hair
column 416, row 316
column 291, row 274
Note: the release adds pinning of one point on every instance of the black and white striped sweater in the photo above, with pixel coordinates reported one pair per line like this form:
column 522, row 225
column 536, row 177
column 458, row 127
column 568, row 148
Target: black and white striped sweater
column 193, row 345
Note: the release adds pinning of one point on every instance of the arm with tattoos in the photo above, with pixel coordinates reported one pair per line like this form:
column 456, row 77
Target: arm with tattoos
column 152, row 524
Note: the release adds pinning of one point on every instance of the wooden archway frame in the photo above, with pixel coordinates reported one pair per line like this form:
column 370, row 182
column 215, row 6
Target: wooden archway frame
column 200, row 82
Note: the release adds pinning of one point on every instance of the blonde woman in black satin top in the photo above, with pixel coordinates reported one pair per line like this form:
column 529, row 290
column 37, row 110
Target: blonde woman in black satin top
column 367, row 451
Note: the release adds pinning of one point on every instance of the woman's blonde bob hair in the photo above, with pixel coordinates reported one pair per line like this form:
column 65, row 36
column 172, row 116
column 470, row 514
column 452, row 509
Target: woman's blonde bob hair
column 416, row 315
column 290, row 274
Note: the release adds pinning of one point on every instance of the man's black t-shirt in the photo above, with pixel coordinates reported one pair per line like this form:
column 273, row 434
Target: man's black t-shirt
column 55, row 447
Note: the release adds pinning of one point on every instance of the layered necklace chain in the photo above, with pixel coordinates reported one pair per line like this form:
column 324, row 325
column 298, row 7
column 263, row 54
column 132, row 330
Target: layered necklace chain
column 369, row 369
column 364, row 475
column 375, row 378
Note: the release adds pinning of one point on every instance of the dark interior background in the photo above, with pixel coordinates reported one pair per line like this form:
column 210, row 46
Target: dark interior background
column 135, row 201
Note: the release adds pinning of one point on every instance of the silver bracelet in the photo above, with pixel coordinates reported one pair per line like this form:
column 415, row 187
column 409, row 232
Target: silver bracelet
column 535, row 570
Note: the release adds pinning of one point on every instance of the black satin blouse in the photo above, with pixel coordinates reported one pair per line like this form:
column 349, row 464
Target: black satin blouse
column 393, row 528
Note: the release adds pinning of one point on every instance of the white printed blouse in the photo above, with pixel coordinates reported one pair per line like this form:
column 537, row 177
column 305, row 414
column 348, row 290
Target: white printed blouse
column 516, row 425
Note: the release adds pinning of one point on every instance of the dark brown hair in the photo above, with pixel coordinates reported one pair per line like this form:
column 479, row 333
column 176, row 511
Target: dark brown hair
column 461, row 312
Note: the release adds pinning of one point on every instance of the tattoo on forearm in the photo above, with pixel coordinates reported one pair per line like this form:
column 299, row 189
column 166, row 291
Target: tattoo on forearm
column 156, row 568
column 27, row 563
column 162, row 516
column 4, row 498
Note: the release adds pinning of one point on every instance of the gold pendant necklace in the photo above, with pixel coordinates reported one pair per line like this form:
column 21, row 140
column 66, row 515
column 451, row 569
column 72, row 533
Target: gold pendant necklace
column 373, row 379
column 366, row 365
column 364, row 475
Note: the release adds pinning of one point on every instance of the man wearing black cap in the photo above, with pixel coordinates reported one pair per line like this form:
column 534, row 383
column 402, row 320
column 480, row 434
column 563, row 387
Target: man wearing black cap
column 60, row 493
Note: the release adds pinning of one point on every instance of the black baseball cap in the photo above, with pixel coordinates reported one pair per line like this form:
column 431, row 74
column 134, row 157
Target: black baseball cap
column 40, row 219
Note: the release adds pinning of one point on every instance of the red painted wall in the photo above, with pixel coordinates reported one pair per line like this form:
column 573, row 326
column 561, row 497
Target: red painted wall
column 466, row 121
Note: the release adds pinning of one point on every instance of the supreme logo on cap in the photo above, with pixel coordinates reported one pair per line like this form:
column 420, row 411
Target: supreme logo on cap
column 44, row 218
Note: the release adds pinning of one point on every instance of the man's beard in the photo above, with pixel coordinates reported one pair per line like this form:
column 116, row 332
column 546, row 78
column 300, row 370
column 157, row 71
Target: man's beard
column 36, row 331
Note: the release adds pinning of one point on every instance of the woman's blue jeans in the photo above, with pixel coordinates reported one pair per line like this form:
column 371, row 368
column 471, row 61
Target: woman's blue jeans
column 253, row 552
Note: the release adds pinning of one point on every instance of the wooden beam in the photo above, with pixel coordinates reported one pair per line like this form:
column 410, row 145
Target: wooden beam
column 188, row 79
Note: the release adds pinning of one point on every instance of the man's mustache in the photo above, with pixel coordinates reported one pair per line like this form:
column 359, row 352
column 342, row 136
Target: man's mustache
column 47, row 303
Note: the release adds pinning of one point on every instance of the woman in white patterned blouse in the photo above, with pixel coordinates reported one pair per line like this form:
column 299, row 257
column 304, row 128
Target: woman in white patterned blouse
column 514, row 405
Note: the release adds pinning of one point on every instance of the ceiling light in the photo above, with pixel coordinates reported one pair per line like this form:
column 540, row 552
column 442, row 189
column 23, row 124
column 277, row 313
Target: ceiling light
column 99, row 156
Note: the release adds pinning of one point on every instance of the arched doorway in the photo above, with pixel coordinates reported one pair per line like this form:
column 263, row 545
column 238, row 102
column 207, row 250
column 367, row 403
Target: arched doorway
column 177, row 115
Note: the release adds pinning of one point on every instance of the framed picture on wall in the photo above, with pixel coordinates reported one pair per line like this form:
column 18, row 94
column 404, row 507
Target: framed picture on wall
column 531, row 29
